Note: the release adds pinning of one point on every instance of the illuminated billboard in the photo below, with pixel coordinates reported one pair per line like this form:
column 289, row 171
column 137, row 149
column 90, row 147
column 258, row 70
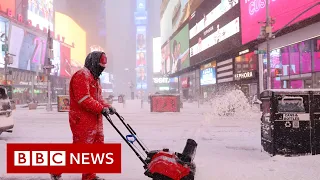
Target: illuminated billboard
column 8, row 4
column 41, row 12
column 73, row 33
column 157, row 66
column 173, row 14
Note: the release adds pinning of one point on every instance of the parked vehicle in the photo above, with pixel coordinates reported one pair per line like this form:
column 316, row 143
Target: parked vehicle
column 6, row 119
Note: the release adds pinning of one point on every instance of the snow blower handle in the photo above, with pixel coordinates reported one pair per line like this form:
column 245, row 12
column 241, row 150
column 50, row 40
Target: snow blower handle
column 133, row 133
column 106, row 115
column 126, row 124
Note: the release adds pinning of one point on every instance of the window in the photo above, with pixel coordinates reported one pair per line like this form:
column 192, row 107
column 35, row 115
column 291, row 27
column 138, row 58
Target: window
column 294, row 59
column 297, row 84
column 285, row 61
column 305, row 54
column 276, row 83
column 316, row 54
column 246, row 62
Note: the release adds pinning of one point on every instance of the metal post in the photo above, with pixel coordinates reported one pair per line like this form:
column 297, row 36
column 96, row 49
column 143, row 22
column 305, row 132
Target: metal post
column 5, row 69
column 6, row 58
column 268, row 29
column 32, row 87
column 48, row 69
column 49, row 105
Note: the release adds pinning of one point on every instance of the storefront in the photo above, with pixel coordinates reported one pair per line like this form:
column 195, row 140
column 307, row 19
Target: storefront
column 294, row 60
column 208, row 80
column 161, row 83
column 4, row 30
column 246, row 73
column 58, row 85
column 22, row 82
column 189, row 85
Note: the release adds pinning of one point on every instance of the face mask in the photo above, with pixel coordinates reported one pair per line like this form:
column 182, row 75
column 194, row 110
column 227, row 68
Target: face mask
column 100, row 70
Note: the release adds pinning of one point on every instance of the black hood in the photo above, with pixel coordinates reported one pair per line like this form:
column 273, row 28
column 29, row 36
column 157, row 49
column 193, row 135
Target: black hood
column 92, row 63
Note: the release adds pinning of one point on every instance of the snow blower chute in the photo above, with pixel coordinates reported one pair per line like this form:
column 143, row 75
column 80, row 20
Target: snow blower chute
column 161, row 164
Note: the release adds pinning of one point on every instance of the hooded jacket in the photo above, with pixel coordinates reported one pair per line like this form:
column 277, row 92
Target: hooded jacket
column 86, row 102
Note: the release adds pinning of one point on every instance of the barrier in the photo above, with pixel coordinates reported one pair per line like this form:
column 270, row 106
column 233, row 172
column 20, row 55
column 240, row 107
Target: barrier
column 165, row 103
column 290, row 122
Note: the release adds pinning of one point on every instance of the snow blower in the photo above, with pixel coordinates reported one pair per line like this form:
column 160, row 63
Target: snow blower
column 161, row 164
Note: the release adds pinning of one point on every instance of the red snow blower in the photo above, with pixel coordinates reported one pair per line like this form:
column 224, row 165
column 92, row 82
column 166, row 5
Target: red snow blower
column 161, row 164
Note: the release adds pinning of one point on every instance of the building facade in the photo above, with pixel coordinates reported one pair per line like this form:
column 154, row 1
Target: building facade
column 227, row 48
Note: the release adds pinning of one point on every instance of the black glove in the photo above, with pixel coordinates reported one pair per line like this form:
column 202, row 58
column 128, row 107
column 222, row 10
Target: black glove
column 105, row 111
column 112, row 110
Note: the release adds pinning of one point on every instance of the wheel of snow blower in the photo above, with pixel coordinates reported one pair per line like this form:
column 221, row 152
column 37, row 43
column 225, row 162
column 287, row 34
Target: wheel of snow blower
column 160, row 177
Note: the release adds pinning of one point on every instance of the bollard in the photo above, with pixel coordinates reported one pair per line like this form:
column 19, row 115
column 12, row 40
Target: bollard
column 141, row 103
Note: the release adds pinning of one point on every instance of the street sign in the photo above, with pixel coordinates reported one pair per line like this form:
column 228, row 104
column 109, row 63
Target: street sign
column 260, row 52
column 48, row 67
column 5, row 47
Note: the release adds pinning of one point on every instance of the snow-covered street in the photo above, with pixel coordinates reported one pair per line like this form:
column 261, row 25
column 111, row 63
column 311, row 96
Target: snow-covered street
column 228, row 148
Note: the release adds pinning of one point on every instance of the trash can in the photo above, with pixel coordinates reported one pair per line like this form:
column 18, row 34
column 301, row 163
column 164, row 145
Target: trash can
column 120, row 99
column 165, row 103
column 290, row 124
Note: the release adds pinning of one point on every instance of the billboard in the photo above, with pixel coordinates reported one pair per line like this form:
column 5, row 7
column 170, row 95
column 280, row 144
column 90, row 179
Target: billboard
column 29, row 49
column 157, row 67
column 166, row 58
column 65, row 61
column 173, row 14
column 141, row 78
column 214, row 29
column 41, row 12
column 179, row 46
column 8, row 4
column 282, row 11
column 73, row 33
column 141, row 5
column 208, row 74
column 56, row 61
column 141, row 38
column 140, row 18
column 141, row 62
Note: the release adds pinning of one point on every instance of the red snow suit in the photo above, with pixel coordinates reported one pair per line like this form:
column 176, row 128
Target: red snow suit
column 86, row 105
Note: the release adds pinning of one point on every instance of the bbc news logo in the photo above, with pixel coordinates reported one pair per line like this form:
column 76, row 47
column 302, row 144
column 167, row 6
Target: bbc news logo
column 63, row 158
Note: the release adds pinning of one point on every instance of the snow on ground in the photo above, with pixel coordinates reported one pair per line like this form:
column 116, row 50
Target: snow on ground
column 228, row 148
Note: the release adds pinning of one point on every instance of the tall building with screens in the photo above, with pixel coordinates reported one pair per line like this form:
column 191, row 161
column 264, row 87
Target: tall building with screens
column 140, row 16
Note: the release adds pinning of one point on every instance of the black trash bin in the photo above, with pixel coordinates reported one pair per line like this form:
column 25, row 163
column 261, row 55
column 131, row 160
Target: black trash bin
column 290, row 124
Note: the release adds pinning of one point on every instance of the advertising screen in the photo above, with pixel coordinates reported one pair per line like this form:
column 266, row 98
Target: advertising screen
column 208, row 74
column 74, row 33
column 41, row 12
column 166, row 59
column 8, row 4
column 173, row 14
column 141, row 5
column 157, row 67
column 65, row 61
column 247, row 62
column 141, row 78
column 2, row 53
column 180, row 50
column 214, row 29
column 16, row 36
column 141, row 38
column 253, row 11
column 141, row 62
column 140, row 18
column 32, row 52
column 56, row 61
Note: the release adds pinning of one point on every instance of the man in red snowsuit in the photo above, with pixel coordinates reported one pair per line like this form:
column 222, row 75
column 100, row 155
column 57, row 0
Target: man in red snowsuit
column 87, row 105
